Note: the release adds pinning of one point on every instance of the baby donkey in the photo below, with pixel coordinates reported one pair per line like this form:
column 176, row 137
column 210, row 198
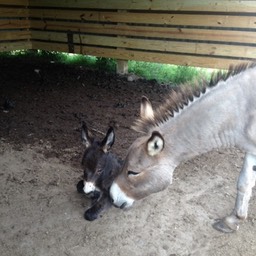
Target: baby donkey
column 100, row 169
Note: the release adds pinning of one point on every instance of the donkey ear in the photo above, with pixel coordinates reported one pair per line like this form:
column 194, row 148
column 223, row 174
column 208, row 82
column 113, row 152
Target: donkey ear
column 146, row 110
column 86, row 135
column 155, row 144
column 109, row 140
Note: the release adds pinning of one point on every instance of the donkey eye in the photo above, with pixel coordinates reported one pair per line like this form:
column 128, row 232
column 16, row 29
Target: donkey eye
column 131, row 173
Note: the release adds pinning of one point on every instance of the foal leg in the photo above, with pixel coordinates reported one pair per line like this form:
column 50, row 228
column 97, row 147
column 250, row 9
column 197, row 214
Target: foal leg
column 246, row 182
column 97, row 208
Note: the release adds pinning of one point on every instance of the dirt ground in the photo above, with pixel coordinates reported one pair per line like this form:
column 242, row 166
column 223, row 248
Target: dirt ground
column 40, row 153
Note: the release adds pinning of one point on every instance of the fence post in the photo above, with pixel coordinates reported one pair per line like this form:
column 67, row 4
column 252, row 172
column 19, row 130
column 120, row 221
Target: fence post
column 122, row 67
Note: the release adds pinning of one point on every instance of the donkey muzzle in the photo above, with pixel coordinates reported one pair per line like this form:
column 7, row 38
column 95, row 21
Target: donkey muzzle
column 120, row 207
column 118, row 198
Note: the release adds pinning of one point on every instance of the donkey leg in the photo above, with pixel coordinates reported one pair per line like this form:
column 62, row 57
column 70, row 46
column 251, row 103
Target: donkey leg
column 246, row 182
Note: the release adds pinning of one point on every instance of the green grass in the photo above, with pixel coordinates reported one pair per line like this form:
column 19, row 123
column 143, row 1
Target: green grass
column 167, row 73
column 163, row 73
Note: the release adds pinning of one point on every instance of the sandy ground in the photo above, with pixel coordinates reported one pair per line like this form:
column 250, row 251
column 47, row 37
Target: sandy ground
column 40, row 153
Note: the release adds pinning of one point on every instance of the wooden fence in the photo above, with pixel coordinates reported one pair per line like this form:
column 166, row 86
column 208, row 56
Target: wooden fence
column 14, row 25
column 187, row 32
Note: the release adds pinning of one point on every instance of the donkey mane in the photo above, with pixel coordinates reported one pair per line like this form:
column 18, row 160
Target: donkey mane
column 180, row 96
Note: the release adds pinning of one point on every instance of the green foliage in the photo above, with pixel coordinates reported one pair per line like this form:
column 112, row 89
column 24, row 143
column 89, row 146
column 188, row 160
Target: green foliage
column 107, row 64
column 77, row 59
column 163, row 73
column 166, row 73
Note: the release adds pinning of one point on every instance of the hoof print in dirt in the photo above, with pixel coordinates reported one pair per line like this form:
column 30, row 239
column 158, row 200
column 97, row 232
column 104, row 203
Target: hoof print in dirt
column 100, row 169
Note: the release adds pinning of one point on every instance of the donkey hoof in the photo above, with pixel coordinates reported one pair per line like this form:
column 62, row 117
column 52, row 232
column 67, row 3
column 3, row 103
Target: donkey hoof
column 90, row 215
column 80, row 187
column 222, row 226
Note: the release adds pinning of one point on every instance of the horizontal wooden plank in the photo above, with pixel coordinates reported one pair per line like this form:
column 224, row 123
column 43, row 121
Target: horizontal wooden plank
column 14, row 24
column 49, row 36
column 150, row 31
column 14, row 35
column 170, row 46
column 13, row 12
column 59, row 47
column 21, row 45
column 186, row 60
column 14, row 2
column 174, row 19
column 158, row 5
column 200, row 48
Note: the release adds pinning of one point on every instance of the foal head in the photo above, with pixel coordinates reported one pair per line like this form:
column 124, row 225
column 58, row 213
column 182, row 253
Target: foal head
column 96, row 162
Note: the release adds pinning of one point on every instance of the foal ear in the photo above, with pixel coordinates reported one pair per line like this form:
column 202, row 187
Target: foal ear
column 155, row 144
column 86, row 135
column 109, row 140
column 146, row 110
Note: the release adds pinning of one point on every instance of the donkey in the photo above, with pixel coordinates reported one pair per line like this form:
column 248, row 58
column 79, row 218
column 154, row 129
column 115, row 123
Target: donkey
column 100, row 169
column 193, row 120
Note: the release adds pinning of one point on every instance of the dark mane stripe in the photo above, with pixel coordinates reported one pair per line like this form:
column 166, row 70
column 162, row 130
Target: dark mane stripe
column 180, row 96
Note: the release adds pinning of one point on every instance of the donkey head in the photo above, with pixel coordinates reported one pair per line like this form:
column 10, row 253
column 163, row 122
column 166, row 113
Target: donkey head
column 95, row 161
column 146, row 169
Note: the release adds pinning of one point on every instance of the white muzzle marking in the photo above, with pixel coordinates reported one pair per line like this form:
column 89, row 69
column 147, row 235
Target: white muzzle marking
column 89, row 187
column 120, row 199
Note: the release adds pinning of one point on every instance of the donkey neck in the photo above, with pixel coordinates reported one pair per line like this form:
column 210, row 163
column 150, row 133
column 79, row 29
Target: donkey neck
column 209, row 122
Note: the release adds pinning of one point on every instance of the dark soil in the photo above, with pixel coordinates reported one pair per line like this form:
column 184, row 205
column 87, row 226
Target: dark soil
column 50, row 100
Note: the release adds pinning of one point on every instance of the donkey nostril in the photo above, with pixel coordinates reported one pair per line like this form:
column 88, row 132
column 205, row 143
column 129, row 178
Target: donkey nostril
column 123, row 205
